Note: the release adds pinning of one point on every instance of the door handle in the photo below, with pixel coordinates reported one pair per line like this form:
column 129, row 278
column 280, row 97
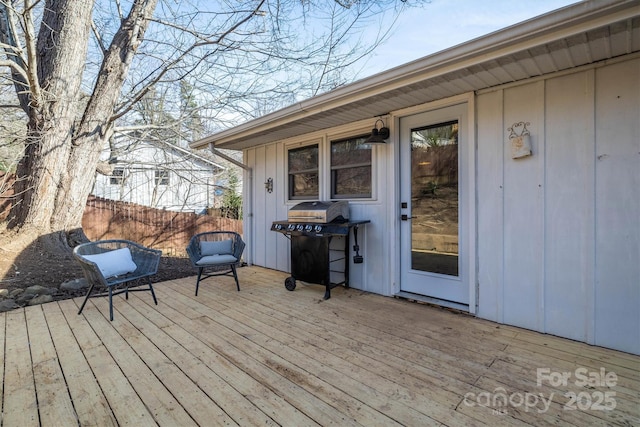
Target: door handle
column 406, row 217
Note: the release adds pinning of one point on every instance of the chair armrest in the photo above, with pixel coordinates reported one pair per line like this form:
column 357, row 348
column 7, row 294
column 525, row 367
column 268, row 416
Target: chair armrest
column 91, row 271
column 146, row 259
column 193, row 250
column 238, row 247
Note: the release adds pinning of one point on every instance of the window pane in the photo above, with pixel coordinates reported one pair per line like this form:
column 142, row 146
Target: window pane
column 303, row 159
column 355, row 182
column 434, row 193
column 303, row 186
column 162, row 177
column 349, row 152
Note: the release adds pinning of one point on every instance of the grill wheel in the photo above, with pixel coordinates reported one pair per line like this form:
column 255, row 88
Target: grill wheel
column 290, row 283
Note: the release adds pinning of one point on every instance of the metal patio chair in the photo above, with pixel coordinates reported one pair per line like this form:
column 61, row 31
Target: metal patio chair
column 216, row 253
column 114, row 265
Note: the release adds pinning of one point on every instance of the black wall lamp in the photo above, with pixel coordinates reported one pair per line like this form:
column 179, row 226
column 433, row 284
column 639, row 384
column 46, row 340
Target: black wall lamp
column 378, row 136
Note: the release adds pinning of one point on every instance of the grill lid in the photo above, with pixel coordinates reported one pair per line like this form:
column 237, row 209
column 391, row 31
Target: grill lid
column 320, row 212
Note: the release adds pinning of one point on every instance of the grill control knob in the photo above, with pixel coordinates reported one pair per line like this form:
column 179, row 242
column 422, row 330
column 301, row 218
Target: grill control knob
column 278, row 226
column 300, row 227
column 317, row 228
column 308, row 227
column 291, row 227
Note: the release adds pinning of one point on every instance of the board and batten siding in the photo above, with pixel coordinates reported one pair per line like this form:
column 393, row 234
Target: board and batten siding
column 559, row 231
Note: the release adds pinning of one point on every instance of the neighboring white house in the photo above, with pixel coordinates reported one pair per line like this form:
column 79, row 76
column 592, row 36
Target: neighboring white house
column 160, row 175
column 546, row 238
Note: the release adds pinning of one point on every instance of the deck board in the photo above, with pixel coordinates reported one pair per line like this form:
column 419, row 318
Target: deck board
column 3, row 320
column 19, row 395
column 54, row 402
column 266, row 356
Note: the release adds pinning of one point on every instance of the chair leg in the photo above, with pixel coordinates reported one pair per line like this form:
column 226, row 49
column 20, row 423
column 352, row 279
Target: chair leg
column 235, row 276
column 86, row 299
column 110, row 304
column 153, row 294
column 198, row 281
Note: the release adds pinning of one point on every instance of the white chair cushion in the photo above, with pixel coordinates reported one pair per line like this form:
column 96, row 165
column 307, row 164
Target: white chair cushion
column 217, row 259
column 114, row 263
column 216, row 248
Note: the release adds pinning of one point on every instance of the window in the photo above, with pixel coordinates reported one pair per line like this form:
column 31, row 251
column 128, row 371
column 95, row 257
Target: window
column 351, row 168
column 117, row 176
column 162, row 177
column 303, row 172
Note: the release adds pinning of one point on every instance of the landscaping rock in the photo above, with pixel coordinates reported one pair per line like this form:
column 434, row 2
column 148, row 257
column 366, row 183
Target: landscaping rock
column 40, row 299
column 23, row 299
column 8, row 305
column 38, row 290
column 74, row 285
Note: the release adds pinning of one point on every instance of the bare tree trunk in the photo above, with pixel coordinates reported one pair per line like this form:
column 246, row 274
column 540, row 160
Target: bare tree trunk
column 55, row 75
column 66, row 136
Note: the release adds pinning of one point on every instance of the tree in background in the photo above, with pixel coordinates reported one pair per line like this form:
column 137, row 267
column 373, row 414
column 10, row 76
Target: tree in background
column 231, row 204
column 84, row 70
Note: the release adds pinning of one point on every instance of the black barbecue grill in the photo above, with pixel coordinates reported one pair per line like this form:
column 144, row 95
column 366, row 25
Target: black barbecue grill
column 315, row 255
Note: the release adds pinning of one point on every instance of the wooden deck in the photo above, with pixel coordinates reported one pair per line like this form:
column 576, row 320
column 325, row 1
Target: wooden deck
column 266, row 356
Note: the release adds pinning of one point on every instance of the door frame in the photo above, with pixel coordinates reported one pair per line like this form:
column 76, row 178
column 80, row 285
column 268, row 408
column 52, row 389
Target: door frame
column 470, row 198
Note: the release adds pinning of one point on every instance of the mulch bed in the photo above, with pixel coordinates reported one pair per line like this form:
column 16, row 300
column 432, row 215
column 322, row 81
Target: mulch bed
column 36, row 267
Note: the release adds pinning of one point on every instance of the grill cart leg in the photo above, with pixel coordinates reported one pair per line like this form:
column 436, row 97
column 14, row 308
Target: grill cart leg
column 327, row 280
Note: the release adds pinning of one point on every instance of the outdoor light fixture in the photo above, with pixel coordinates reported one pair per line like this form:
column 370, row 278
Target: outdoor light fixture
column 378, row 136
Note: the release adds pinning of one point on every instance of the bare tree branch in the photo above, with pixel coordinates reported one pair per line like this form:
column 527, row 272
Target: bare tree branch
column 31, row 60
column 159, row 74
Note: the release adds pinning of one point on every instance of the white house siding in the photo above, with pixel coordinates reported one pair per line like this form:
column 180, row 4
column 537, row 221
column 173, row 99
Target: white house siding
column 559, row 231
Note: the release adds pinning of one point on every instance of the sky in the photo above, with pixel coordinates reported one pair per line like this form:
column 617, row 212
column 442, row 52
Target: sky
column 442, row 24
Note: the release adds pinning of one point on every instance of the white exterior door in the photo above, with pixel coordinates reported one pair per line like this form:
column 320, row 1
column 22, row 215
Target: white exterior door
column 434, row 185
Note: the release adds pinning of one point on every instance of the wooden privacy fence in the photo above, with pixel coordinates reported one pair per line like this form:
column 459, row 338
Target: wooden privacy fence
column 155, row 228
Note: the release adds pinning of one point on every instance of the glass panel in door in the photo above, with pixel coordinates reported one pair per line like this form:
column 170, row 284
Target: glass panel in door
column 434, row 195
